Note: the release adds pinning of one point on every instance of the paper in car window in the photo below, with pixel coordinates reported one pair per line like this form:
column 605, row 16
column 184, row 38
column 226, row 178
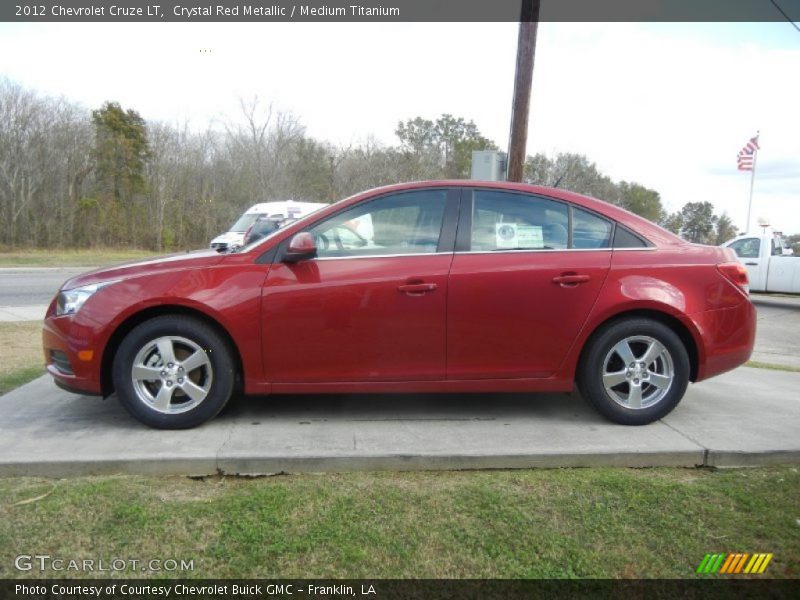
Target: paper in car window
column 515, row 235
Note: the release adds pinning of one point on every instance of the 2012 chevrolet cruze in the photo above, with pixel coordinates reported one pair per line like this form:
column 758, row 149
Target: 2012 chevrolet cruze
column 448, row 286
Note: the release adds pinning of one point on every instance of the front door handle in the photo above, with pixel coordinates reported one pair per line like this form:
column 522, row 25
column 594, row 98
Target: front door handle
column 570, row 279
column 751, row 264
column 416, row 289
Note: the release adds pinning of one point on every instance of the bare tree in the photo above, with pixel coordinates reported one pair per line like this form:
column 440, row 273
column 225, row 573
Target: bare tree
column 52, row 191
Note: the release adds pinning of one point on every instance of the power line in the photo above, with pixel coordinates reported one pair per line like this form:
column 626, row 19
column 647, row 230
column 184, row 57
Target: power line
column 780, row 10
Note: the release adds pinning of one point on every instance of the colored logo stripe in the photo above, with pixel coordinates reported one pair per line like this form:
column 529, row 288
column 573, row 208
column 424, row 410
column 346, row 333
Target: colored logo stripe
column 733, row 564
column 736, row 564
column 732, row 558
column 761, row 563
column 711, row 563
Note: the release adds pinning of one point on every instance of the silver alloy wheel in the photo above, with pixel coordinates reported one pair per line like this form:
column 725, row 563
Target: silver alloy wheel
column 171, row 374
column 638, row 372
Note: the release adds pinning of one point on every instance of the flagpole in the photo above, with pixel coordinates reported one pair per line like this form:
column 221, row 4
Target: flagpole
column 752, row 179
column 750, row 203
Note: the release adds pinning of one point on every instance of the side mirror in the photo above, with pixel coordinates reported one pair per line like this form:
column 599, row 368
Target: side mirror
column 301, row 247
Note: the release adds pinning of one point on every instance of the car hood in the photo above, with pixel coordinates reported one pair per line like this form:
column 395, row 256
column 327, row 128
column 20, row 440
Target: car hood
column 173, row 262
column 228, row 237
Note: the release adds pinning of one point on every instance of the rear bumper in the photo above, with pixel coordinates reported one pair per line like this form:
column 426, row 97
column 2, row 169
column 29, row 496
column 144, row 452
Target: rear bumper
column 728, row 336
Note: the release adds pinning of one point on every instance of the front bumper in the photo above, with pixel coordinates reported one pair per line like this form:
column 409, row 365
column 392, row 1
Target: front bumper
column 71, row 353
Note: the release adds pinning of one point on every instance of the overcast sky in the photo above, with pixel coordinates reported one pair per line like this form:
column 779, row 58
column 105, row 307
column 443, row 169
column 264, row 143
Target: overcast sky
column 665, row 105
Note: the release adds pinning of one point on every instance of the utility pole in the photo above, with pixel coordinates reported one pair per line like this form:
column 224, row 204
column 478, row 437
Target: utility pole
column 523, row 79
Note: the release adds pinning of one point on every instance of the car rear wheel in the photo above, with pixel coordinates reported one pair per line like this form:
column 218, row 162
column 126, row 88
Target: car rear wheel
column 173, row 372
column 634, row 371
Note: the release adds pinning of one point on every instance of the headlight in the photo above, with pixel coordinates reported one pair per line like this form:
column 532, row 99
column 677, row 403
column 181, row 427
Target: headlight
column 70, row 301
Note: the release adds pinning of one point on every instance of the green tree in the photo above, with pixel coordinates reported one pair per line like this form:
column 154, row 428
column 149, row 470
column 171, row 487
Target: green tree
column 311, row 170
column 725, row 229
column 569, row 171
column 449, row 139
column 698, row 222
column 642, row 201
column 575, row 172
column 673, row 222
column 794, row 243
column 537, row 169
column 417, row 135
column 120, row 154
column 120, row 151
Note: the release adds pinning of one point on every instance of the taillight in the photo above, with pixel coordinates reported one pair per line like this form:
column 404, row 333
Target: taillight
column 737, row 274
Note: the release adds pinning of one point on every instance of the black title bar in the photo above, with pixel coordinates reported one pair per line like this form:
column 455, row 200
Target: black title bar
column 385, row 589
column 394, row 10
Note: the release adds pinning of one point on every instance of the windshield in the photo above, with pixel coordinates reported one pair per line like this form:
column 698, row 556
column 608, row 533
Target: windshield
column 243, row 223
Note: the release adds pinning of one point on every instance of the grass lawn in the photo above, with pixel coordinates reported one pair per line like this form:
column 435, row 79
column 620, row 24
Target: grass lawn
column 484, row 524
column 762, row 365
column 21, row 358
column 37, row 257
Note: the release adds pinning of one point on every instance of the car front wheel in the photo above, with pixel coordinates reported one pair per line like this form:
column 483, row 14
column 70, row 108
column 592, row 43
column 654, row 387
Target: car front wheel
column 634, row 371
column 173, row 372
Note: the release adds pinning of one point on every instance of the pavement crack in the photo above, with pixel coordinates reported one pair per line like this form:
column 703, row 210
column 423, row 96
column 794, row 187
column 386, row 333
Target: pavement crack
column 691, row 439
column 228, row 438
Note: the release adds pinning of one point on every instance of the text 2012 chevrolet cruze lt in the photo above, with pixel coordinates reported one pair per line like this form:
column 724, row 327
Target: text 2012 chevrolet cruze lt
column 449, row 286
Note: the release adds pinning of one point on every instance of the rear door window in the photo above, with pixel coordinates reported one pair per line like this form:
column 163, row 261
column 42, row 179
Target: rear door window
column 511, row 221
column 508, row 221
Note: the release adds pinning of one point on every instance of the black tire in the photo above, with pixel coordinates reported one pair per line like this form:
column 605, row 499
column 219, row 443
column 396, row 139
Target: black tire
column 191, row 394
column 603, row 355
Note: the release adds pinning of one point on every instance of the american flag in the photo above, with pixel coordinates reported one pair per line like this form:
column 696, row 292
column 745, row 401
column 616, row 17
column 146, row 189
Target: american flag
column 746, row 154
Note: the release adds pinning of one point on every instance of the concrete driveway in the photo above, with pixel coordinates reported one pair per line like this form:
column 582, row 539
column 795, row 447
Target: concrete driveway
column 746, row 417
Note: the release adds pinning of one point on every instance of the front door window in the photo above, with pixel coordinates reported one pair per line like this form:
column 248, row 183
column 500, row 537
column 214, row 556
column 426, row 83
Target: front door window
column 404, row 223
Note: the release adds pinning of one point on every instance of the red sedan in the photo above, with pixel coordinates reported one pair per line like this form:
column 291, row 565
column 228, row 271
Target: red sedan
column 444, row 286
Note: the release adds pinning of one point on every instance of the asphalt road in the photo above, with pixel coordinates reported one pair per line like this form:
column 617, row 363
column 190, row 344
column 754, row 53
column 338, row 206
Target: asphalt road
column 34, row 286
column 778, row 329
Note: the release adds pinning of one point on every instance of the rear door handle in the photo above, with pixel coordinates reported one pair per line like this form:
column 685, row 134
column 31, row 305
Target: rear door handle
column 416, row 289
column 570, row 279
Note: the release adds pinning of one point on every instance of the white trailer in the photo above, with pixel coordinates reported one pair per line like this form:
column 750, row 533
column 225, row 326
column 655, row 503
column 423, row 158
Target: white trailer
column 288, row 209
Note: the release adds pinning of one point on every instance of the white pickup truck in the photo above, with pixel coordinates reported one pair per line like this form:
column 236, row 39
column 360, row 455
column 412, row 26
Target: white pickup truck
column 769, row 261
